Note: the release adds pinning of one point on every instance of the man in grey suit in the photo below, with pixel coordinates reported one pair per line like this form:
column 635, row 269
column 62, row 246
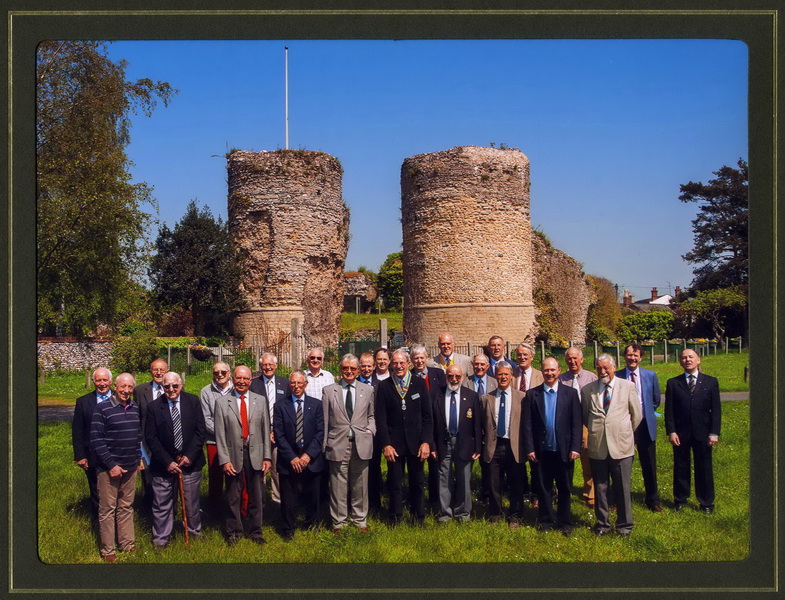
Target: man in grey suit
column 242, row 438
column 447, row 357
column 348, row 444
column 527, row 378
column 483, row 383
column 611, row 412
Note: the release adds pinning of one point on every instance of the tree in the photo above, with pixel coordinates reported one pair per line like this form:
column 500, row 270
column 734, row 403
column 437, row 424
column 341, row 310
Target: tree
column 91, row 225
column 715, row 306
column 196, row 268
column 720, row 229
column 390, row 280
column 604, row 311
column 654, row 325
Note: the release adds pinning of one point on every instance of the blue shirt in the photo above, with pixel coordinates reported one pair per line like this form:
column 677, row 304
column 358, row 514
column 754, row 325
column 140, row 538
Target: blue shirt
column 550, row 418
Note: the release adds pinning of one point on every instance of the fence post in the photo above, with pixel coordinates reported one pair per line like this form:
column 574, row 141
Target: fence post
column 188, row 358
column 666, row 350
column 257, row 356
column 739, row 344
column 618, row 356
column 87, row 379
column 652, row 355
column 220, row 353
column 41, row 376
column 169, row 354
column 383, row 340
column 296, row 350
column 507, row 349
column 469, row 349
column 357, row 305
column 595, row 351
column 542, row 351
column 182, row 376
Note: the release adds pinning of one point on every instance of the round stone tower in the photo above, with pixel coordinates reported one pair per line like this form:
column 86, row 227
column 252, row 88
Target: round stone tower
column 289, row 223
column 467, row 258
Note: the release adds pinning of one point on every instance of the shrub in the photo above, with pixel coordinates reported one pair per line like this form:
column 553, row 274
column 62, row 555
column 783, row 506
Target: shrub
column 655, row 325
column 134, row 353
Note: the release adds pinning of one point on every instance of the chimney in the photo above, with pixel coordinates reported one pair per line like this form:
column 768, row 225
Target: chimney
column 654, row 294
column 626, row 299
column 677, row 292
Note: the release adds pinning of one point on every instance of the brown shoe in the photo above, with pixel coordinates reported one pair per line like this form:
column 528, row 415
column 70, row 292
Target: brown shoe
column 337, row 531
column 110, row 558
column 364, row 530
column 590, row 503
column 536, row 503
column 655, row 508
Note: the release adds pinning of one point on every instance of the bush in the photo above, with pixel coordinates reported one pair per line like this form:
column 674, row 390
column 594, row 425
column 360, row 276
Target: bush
column 134, row 353
column 655, row 325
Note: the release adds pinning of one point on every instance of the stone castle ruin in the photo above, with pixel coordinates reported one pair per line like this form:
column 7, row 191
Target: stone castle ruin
column 467, row 251
column 289, row 223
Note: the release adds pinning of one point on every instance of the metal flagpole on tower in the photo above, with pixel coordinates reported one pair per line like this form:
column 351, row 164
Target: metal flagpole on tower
column 286, row 69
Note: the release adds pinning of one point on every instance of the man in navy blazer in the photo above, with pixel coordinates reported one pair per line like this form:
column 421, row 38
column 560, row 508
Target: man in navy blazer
column 457, row 436
column 552, row 428
column 648, row 388
column 300, row 458
column 692, row 422
column 80, row 431
column 176, row 452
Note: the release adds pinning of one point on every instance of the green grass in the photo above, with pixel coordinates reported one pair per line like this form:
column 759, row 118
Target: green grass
column 351, row 322
column 65, row 536
column 727, row 368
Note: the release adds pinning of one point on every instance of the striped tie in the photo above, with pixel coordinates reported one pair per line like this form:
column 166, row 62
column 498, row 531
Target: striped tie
column 299, row 423
column 178, row 427
column 691, row 383
column 606, row 400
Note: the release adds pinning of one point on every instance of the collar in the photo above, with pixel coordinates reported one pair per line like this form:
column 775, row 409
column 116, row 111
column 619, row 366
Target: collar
column 319, row 374
column 171, row 402
column 345, row 385
column 223, row 391
column 295, row 399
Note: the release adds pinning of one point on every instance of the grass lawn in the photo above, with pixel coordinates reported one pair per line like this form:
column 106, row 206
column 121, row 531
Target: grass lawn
column 65, row 536
column 728, row 368
column 353, row 322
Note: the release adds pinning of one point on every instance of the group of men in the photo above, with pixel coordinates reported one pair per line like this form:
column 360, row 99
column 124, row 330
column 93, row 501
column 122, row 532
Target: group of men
column 527, row 427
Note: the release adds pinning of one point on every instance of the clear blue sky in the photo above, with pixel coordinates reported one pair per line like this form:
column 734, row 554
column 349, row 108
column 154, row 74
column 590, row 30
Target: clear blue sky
column 611, row 127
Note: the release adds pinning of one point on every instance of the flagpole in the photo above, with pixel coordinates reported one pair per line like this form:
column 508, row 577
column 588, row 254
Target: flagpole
column 286, row 85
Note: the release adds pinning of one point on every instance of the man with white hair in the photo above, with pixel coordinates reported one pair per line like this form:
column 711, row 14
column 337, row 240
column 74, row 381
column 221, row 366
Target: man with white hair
column 175, row 432
column 80, row 431
column 115, row 437
column 611, row 413
column 216, row 389
column 315, row 375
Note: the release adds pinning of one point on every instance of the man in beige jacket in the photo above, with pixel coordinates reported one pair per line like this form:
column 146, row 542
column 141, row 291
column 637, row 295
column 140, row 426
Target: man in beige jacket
column 611, row 413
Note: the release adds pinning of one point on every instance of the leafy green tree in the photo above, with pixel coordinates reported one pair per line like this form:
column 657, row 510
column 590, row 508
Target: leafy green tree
column 90, row 217
column 604, row 311
column 715, row 306
column 390, row 281
column 196, row 268
column 133, row 354
column 654, row 325
column 720, row 229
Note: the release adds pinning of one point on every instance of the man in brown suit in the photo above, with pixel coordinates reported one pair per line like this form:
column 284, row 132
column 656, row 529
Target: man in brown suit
column 503, row 449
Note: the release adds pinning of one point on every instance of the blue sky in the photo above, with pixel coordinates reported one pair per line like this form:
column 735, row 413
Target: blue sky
column 611, row 128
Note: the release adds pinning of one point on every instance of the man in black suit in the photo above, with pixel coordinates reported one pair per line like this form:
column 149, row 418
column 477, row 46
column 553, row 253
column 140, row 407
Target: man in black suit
column 404, row 426
column 144, row 395
column 692, row 422
column 175, row 433
column 80, row 431
column 273, row 388
column 381, row 360
column 552, row 427
column 457, row 435
column 298, row 422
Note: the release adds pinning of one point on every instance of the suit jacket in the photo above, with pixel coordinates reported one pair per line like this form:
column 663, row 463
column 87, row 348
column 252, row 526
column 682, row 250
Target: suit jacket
column 650, row 397
column 159, row 433
column 536, row 379
column 463, row 361
column 281, row 389
column 612, row 434
column 337, row 423
column 229, row 431
column 568, row 421
column 285, row 426
column 404, row 430
column 469, row 424
column 143, row 396
column 80, row 427
column 490, row 426
column 490, row 384
column 692, row 417
column 492, row 367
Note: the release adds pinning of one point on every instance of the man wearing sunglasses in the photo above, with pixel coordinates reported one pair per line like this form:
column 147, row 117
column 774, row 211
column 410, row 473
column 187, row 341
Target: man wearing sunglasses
column 218, row 388
column 317, row 378
column 175, row 432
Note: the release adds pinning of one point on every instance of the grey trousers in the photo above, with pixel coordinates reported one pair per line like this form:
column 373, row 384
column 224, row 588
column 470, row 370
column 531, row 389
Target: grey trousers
column 455, row 496
column 349, row 485
column 166, row 493
column 619, row 471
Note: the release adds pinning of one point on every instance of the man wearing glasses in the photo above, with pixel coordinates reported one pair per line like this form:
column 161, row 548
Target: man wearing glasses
column 175, row 432
column 218, row 388
column 317, row 378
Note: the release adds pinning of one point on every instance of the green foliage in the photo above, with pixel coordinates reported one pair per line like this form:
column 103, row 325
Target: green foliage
column 91, row 226
column 714, row 306
column 196, row 268
column 654, row 325
column 390, row 281
column 604, row 312
column 721, row 228
column 133, row 354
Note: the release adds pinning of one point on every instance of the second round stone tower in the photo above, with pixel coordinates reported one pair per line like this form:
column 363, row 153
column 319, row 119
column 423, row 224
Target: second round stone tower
column 288, row 221
column 467, row 245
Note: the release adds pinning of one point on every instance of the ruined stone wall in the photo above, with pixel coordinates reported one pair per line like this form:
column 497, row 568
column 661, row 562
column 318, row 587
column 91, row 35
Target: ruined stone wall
column 562, row 294
column 467, row 256
column 289, row 223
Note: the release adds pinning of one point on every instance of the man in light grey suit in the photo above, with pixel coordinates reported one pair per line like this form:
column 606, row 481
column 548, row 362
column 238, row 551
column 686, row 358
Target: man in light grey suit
column 242, row 438
column 348, row 444
column 447, row 357
column 480, row 382
column 611, row 412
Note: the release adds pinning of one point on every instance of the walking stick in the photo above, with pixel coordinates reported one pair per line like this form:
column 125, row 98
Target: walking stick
column 182, row 505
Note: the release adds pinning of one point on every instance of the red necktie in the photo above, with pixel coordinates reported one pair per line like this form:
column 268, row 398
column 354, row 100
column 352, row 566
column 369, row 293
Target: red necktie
column 244, row 417
column 523, row 382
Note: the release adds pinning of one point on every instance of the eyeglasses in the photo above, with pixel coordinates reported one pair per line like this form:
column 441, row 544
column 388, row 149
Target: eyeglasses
column 348, row 368
column 221, row 373
column 171, row 386
column 315, row 358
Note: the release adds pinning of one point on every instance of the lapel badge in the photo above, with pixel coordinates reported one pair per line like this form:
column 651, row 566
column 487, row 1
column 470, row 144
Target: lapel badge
column 469, row 414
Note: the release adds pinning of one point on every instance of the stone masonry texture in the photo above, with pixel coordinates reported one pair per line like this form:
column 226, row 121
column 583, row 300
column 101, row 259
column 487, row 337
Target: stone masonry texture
column 467, row 249
column 290, row 225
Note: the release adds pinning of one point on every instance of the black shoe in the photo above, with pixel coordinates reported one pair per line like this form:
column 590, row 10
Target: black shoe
column 566, row 530
column 288, row 536
column 624, row 534
column 495, row 519
column 258, row 539
column 601, row 532
column 679, row 506
column 709, row 510
column 543, row 527
column 232, row 540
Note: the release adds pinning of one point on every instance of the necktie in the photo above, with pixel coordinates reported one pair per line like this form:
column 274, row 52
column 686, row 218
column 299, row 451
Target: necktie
column 502, row 427
column 606, row 400
column 349, row 404
column 523, row 382
column 691, row 383
column 157, row 393
column 178, row 427
column 480, row 387
column 299, row 423
column 244, row 417
column 453, row 427
column 550, row 416
column 632, row 376
column 575, row 382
